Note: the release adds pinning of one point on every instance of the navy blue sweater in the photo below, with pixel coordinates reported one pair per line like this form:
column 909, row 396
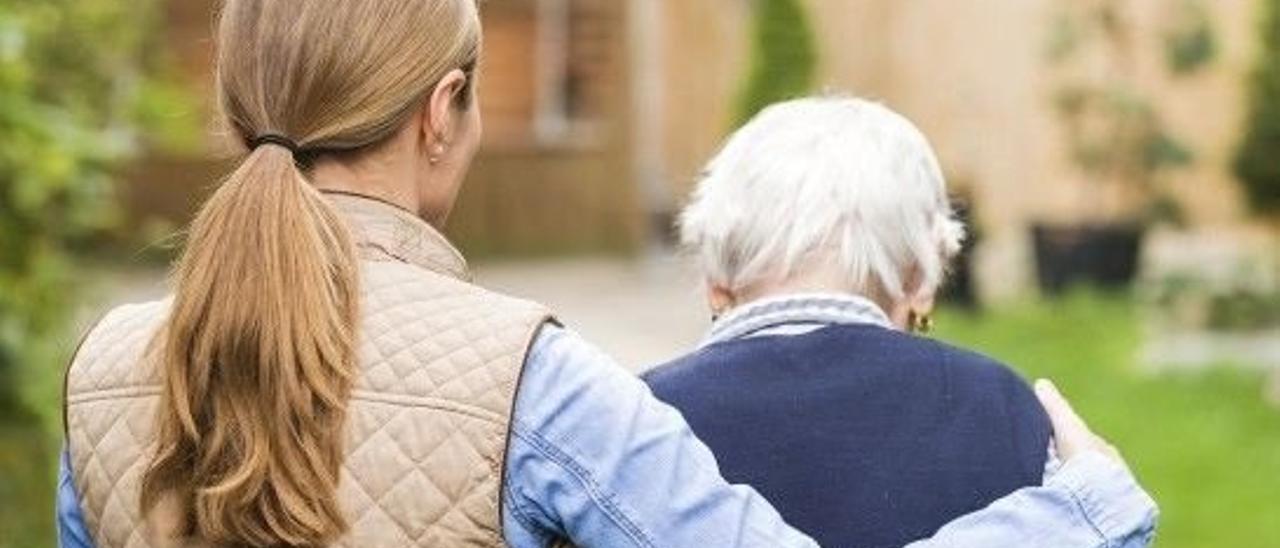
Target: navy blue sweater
column 859, row 435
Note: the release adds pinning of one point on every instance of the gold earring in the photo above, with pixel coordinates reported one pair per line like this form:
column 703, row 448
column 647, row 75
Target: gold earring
column 920, row 323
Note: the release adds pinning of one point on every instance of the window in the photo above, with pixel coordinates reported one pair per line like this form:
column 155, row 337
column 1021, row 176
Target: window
column 548, row 67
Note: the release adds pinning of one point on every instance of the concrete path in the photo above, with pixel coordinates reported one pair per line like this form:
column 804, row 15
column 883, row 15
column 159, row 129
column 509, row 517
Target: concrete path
column 642, row 312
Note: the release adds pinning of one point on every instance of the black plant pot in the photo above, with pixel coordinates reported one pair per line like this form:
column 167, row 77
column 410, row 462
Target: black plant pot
column 960, row 289
column 1104, row 256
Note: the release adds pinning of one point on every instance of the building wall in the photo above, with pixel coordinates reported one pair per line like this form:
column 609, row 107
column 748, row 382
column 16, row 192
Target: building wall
column 530, row 194
column 706, row 57
column 527, row 193
column 855, row 43
column 704, row 54
column 974, row 76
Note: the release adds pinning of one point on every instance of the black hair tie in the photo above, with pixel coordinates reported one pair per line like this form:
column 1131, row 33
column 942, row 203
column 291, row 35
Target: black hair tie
column 274, row 139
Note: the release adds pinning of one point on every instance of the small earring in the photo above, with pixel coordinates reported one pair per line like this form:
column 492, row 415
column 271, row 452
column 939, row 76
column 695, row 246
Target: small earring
column 920, row 323
column 436, row 153
column 718, row 313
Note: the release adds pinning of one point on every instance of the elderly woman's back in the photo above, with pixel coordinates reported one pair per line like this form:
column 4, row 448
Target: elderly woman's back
column 827, row 409
column 823, row 231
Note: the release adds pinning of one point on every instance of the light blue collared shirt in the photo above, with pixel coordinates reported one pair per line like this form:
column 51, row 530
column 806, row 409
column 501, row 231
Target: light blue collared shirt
column 596, row 459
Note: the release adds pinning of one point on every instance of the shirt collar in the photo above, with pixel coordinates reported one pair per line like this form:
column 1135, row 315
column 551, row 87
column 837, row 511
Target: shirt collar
column 811, row 308
column 383, row 232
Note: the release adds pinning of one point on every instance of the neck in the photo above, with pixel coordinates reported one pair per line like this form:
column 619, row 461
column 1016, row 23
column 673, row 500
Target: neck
column 384, row 179
column 813, row 281
column 819, row 281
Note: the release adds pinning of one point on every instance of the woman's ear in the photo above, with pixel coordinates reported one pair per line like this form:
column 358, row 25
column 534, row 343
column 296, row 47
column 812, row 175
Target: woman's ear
column 441, row 110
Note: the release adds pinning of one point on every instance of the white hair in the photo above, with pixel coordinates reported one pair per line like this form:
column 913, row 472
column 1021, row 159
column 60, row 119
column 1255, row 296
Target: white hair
column 831, row 182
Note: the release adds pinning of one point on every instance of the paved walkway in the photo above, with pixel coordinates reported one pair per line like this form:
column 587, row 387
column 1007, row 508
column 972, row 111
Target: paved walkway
column 642, row 312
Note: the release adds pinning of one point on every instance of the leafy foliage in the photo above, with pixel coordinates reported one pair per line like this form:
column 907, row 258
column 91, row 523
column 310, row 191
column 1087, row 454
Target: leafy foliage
column 1191, row 43
column 1258, row 159
column 1114, row 132
column 784, row 57
column 75, row 94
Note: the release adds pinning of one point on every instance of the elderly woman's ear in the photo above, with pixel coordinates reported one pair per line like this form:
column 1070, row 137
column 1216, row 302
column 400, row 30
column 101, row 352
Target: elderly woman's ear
column 720, row 300
column 914, row 310
column 914, row 313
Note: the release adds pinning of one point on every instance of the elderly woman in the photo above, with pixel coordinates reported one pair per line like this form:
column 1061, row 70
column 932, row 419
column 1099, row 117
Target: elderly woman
column 823, row 231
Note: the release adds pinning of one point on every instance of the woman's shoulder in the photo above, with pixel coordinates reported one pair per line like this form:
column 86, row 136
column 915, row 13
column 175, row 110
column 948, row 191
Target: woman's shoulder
column 970, row 360
column 965, row 371
column 111, row 349
column 391, row 285
column 703, row 367
column 894, row 348
column 975, row 366
column 126, row 322
column 976, row 376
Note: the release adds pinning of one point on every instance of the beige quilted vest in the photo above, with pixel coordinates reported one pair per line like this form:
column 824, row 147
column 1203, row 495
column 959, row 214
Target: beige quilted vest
column 440, row 359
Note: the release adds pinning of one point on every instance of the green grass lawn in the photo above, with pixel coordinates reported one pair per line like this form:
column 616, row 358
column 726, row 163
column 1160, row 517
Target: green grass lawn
column 1205, row 445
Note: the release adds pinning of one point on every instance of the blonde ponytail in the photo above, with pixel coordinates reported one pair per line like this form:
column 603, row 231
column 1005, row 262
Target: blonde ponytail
column 258, row 356
column 260, row 349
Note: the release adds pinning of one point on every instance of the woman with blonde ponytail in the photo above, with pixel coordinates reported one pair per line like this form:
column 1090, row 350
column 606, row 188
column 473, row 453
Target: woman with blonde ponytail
column 325, row 374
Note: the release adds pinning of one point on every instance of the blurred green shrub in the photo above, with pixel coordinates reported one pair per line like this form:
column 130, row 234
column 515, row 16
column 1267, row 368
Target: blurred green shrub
column 1114, row 132
column 784, row 57
column 77, row 91
column 1258, row 158
column 1191, row 43
column 1186, row 300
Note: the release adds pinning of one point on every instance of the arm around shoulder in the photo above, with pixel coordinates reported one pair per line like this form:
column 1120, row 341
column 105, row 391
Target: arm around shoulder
column 1091, row 502
column 597, row 460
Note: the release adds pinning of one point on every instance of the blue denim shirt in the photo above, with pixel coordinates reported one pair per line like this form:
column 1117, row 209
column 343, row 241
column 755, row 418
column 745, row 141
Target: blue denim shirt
column 596, row 459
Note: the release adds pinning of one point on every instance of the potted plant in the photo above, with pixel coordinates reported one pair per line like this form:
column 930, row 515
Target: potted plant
column 961, row 288
column 1116, row 138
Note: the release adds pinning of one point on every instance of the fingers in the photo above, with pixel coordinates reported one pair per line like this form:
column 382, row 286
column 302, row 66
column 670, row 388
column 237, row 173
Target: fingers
column 1070, row 433
column 1060, row 412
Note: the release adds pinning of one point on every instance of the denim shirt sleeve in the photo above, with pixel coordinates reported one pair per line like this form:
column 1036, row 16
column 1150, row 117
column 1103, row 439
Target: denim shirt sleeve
column 72, row 532
column 597, row 460
column 1090, row 501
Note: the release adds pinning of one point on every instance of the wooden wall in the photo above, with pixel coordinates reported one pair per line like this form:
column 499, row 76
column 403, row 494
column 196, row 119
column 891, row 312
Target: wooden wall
column 525, row 195
column 974, row 76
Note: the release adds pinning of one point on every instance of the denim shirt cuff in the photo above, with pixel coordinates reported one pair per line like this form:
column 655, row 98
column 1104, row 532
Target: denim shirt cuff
column 1109, row 497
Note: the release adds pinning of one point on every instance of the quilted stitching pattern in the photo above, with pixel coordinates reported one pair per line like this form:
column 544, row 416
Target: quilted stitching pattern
column 428, row 420
column 397, row 233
